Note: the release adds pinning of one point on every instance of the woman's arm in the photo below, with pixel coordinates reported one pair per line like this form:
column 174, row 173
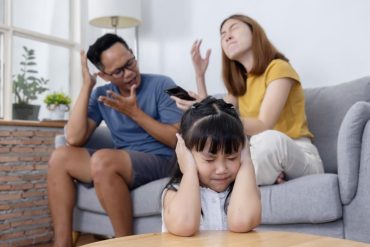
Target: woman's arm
column 200, row 66
column 244, row 211
column 273, row 103
column 183, row 104
column 182, row 209
column 231, row 99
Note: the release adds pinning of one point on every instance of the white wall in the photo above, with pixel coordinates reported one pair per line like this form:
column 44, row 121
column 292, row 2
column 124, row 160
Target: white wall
column 1, row 12
column 328, row 42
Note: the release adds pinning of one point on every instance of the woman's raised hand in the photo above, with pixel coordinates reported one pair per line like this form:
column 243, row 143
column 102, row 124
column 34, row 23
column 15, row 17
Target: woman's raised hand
column 200, row 64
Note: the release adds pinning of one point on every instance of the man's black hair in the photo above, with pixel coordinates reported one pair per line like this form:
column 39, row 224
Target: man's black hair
column 101, row 44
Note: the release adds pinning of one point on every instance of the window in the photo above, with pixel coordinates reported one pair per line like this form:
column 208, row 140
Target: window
column 53, row 67
column 36, row 47
column 1, row 60
column 1, row 74
column 50, row 17
column 1, row 11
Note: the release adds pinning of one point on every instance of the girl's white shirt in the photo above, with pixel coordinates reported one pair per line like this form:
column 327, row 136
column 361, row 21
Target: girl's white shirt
column 213, row 213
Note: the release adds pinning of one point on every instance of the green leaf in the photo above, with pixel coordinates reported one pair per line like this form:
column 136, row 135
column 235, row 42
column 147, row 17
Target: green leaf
column 32, row 71
column 57, row 99
column 26, row 84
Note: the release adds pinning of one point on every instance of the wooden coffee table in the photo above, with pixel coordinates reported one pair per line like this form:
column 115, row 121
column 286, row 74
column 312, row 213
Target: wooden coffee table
column 226, row 238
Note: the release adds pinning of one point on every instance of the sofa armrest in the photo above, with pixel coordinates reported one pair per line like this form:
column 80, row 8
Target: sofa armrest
column 350, row 148
column 101, row 138
column 59, row 141
column 356, row 214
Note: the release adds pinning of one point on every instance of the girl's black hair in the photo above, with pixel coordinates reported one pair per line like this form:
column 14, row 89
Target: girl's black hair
column 212, row 119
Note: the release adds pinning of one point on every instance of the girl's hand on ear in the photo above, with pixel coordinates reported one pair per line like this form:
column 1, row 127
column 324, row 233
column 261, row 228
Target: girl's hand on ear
column 184, row 156
column 246, row 154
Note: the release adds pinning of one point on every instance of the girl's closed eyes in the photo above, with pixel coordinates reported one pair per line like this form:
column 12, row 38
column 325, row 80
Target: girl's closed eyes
column 214, row 179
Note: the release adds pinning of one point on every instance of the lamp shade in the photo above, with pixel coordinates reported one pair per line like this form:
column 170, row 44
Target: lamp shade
column 114, row 13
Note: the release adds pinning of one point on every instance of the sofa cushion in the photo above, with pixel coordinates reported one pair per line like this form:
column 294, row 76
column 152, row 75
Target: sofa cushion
column 308, row 199
column 325, row 109
column 350, row 141
column 146, row 198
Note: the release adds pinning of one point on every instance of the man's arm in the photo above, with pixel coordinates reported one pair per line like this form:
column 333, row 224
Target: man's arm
column 164, row 133
column 79, row 126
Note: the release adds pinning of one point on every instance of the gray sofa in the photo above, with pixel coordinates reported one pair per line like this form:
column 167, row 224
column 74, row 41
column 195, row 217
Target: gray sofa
column 335, row 204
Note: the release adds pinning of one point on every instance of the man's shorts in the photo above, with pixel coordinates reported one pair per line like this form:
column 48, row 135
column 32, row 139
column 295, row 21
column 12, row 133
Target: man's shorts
column 148, row 167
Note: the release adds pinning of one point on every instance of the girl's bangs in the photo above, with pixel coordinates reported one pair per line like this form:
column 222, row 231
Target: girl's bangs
column 225, row 135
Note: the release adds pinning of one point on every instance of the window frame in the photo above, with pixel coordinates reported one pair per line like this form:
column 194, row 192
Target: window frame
column 2, row 78
column 10, row 31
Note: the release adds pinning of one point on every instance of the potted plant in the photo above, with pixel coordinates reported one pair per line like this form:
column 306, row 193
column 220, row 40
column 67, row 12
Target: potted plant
column 26, row 87
column 57, row 104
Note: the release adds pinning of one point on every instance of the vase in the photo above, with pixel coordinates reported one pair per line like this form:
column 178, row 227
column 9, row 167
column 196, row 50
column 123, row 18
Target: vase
column 57, row 112
column 26, row 112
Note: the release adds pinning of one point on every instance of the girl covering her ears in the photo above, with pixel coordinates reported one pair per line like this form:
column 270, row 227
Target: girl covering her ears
column 214, row 186
column 269, row 96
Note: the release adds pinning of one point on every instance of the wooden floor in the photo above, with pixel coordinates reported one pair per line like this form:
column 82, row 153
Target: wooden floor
column 83, row 239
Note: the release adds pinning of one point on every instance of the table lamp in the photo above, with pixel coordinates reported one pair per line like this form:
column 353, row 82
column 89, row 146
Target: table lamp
column 116, row 14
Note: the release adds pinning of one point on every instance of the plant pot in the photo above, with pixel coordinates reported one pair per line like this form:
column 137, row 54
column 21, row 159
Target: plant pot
column 26, row 112
column 57, row 112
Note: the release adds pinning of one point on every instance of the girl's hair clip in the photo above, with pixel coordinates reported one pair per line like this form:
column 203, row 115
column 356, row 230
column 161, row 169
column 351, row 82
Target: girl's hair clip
column 195, row 105
column 231, row 106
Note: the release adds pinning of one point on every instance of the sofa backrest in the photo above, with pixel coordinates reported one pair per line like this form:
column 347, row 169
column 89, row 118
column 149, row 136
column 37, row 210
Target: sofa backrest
column 325, row 109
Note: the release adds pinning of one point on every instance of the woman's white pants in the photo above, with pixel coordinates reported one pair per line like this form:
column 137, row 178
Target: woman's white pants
column 274, row 152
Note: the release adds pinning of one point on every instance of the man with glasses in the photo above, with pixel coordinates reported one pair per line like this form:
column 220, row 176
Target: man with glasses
column 143, row 121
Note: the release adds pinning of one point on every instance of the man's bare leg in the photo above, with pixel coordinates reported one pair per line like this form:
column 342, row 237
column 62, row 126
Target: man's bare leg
column 65, row 164
column 111, row 172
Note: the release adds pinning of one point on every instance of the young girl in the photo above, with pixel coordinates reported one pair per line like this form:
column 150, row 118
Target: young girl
column 267, row 91
column 214, row 187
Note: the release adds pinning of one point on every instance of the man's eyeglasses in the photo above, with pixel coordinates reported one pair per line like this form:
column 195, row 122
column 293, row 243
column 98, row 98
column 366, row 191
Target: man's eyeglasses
column 120, row 72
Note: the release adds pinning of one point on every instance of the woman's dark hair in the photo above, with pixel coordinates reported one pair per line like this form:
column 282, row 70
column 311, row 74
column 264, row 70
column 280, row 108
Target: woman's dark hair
column 101, row 44
column 214, row 120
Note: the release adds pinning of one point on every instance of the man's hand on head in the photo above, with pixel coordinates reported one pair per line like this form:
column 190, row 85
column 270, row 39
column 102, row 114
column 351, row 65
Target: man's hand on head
column 87, row 77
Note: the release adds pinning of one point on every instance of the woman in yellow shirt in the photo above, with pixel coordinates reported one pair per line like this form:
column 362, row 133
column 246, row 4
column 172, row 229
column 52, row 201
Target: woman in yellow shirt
column 268, row 93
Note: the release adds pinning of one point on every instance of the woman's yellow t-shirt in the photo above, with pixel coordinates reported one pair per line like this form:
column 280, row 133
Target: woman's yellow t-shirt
column 292, row 121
